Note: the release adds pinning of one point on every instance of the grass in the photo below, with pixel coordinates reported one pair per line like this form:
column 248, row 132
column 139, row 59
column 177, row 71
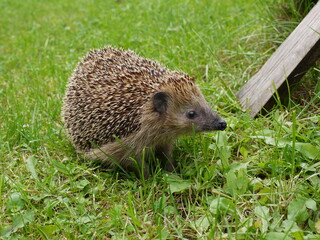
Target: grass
column 257, row 180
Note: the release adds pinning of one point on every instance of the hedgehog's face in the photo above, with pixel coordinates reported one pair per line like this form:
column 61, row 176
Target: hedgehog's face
column 188, row 116
column 202, row 118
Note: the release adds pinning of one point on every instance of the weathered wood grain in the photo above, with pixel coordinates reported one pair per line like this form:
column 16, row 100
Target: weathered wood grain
column 288, row 63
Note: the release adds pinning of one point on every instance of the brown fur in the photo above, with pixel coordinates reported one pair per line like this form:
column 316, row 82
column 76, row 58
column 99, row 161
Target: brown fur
column 110, row 111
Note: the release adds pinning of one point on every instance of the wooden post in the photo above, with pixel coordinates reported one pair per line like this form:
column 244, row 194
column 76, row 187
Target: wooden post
column 288, row 63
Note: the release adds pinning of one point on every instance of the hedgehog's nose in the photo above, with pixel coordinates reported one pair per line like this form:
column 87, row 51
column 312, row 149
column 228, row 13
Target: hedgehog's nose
column 222, row 125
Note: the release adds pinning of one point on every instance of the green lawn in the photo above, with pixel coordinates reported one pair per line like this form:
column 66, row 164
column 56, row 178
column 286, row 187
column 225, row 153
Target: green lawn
column 259, row 179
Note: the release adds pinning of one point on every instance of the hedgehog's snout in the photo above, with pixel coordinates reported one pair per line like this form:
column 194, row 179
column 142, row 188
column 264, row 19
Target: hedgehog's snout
column 214, row 123
column 222, row 125
column 218, row 123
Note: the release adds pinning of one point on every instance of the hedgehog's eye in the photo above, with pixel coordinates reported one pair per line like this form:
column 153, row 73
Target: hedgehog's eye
column 191, row 114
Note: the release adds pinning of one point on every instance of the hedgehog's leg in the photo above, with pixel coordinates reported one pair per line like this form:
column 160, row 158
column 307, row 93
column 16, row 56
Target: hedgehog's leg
column 110, row 155
column 164, row 154
column 115, row 154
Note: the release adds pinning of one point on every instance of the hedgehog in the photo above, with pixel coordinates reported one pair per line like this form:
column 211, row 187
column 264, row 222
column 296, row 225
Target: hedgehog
column 120, row 107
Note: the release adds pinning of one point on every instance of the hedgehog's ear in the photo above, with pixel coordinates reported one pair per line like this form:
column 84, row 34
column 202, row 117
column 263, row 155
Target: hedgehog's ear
column 160, row 102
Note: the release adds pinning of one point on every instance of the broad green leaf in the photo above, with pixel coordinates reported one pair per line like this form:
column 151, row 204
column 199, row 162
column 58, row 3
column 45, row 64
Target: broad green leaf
column 311, row 204
column 15, row 202
column 262, row 212
column 277, row 235
column 19, row 221
column 170, row 210
column 222, row 205
column 177, row 184
column 60, row 167
column 30, row 164
column 210, row 172
column 222, row 139
column 265, row 195
column 279, row 142
column 82, row 183
column 48, row 231
column 222, row 149
column 237, row 179
column 265, row 132
column 290, row 226
column 297, row 210
column 244, row 151
column 298, row 235
column 202, row 224
column 306, row 149
column 85, row 219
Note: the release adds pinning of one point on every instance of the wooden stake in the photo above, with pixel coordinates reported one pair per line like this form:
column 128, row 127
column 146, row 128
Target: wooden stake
column 288, row 63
